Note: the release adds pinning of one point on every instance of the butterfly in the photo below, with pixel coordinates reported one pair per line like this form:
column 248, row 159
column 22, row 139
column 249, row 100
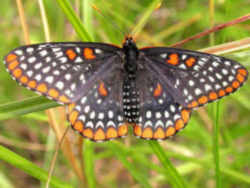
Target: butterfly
column 107, row 88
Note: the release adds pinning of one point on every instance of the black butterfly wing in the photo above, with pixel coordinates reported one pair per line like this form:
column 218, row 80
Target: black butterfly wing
column 194, row 78
column 160, row 116
column 63, row 72
column 87, row 76
column 171, row 82
column 98, row 115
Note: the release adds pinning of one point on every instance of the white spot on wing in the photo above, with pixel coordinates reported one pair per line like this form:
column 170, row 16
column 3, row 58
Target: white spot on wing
column 23, row 66
column 43, row 53
column 49, row 79
column 98, row 51
column 32, row 59
column 197, row 91
column 60, row 85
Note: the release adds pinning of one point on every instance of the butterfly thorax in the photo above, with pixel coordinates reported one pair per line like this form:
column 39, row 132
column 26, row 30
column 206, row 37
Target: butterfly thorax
column 130, row 92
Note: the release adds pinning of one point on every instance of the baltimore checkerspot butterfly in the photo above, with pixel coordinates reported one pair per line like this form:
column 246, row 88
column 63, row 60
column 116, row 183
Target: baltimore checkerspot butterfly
column 107, row 88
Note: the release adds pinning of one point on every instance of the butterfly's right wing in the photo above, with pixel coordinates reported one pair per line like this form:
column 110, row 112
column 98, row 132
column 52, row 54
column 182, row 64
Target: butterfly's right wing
column 160, row 115
column 193, row 78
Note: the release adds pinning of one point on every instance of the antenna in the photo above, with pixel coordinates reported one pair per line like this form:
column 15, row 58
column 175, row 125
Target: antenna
column 106, row 18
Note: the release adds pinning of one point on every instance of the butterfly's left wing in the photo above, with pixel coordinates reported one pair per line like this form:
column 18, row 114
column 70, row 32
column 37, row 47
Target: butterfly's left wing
column 194, row 78
column 62, row 71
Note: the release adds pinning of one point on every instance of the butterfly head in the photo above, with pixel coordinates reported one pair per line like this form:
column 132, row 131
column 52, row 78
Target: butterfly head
column 129, row 43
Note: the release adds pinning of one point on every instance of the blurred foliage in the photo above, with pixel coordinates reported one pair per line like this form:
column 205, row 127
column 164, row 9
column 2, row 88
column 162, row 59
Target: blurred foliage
column 128, row 162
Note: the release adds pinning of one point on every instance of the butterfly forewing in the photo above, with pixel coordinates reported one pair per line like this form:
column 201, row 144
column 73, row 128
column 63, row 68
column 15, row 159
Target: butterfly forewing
column 61, row 71
column 199, row 77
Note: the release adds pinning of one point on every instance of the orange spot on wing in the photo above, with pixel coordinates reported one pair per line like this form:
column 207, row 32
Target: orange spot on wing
column 53, row 93
column 24, row 79
column 17, row 73
column 111, row 133
column 64, row 99
column 71, row 54
column 88, row 53
column 213, row 96
column 202, row 100
column 73, row 116
column 147, row 133
column 240, row 78
column 137, row 130
column 235, row 84
column 13, row 65
column 42, row 88
column 185, row 115
column 242, row 71
column 190, row 61
column 170, row 131
column 10, row 58
column 123, row 130
column 78, row 126
column 173, row 59
column 222, row 93
column 32, row 84
column 88, row 133
column 193, row 104
column 179, row 124
column 158, row 90
column 99, row 134
column 229, row 89
column 102, row 90
column 159, row 133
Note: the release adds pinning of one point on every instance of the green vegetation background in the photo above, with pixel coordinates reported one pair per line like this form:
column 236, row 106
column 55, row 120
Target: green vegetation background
column 190, row 159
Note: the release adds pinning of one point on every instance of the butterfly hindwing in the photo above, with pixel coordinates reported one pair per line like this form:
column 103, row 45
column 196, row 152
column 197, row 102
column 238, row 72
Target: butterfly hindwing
column 98, row 115
column 59, row 70
column 160, row 116
column 199, row 77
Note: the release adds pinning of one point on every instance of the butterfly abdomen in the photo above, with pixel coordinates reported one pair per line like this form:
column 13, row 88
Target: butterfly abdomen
column 130, row 99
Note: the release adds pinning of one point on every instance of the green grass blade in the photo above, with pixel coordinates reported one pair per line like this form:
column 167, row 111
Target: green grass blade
column 174, row 177
column 216, row 147
column 28, row 167
column 88, row 157
column 26, row 106
column 145, row 16
column 74, row 20
column 121, row 155
column 236, row 175
column 88, row 17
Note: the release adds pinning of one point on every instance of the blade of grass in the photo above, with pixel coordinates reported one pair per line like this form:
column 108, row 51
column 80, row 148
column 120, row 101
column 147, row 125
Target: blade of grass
column 25, row 106
column 89, row 163
column 121, row 155
column 213, row 29
column 216, row 134
column 74, row 20
column 145, row 16
column 215, row 107
column 28, row 167
column 87, row 17
column 175, row 179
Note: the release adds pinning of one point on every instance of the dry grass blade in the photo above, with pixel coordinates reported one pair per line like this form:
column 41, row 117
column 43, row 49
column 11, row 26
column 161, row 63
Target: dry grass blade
column 214, row 29
column 228, row 47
